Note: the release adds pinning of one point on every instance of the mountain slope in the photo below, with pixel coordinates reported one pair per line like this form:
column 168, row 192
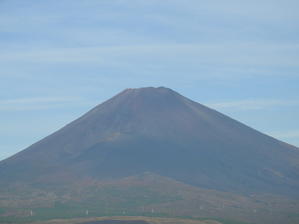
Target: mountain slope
column 160, row 131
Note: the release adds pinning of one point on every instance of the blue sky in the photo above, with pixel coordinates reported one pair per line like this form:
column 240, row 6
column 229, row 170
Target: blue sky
column 60, row 58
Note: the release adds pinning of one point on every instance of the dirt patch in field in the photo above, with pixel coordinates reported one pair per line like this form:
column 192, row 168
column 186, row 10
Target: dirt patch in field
column 116, row 222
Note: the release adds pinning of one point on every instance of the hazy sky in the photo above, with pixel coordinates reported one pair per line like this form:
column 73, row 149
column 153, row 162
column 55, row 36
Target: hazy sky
column 59, row 58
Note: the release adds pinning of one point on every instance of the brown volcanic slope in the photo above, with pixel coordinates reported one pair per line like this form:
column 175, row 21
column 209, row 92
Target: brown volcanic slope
column 156, row 130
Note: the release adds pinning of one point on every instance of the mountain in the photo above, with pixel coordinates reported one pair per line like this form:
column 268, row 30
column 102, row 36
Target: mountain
column 157, row 135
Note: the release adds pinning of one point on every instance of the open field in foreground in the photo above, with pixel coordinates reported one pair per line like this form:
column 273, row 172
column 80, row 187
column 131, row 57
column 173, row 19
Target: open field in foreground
column 131, row 220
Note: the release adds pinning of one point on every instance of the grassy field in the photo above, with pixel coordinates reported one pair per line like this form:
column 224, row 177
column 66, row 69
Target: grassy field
column 150, row 220
column 146, row 197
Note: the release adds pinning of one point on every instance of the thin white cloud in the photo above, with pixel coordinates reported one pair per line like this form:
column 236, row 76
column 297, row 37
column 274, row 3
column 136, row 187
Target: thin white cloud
column 257, row 104
column 38, row 100
column 185, row 54
column 286, row 134
column 38, row 103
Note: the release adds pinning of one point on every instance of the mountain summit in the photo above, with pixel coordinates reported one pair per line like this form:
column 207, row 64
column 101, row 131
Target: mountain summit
column 158, row 131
